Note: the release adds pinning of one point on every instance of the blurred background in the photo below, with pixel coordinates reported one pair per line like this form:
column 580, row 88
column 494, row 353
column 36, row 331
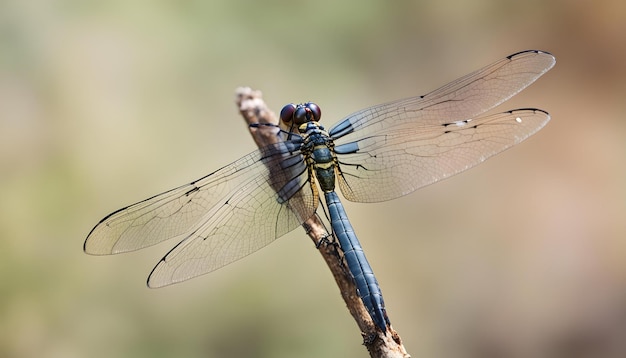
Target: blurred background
column 105, row 103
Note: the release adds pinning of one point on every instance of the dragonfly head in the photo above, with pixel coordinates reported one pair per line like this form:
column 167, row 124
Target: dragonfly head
column 300, row 114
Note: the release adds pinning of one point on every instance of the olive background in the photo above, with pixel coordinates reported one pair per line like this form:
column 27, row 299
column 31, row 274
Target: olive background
column 105, row 103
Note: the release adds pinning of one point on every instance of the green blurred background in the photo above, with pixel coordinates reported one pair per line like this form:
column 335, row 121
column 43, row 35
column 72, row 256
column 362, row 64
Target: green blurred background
column 104, row 103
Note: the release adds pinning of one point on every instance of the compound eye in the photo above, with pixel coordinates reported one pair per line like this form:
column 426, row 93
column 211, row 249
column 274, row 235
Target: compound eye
column 315, row 110
column 300, row 115
column 286, row 114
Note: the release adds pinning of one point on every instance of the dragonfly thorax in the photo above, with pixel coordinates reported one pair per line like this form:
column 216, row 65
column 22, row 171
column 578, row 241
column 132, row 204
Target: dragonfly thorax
column 311, row 129
column 318, row 149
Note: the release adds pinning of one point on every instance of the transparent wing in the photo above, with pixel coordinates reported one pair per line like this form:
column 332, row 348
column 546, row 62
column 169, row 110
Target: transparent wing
column 223, row 217
column 392, row 149
column 396, row 163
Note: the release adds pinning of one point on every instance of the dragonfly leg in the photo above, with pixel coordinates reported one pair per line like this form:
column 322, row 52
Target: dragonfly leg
column 258, row 125
column 325, row 241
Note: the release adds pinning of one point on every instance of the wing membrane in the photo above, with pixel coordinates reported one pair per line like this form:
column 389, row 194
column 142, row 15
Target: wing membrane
column 393, row 163
column 234, row 211
column 392, row 149
column 461, row 99
column 249, row 221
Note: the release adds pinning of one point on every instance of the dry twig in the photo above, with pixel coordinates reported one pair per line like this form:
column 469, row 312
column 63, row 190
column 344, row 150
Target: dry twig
column 380, row 344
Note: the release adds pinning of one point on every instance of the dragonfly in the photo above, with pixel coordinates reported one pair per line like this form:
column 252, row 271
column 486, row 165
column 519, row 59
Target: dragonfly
column 376, row 154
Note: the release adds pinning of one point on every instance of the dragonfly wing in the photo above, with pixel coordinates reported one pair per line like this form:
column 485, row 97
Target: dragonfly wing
column 250, row 218
column 464, row 98
column 392, row 149
column 234, row 211
column 395, row 163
